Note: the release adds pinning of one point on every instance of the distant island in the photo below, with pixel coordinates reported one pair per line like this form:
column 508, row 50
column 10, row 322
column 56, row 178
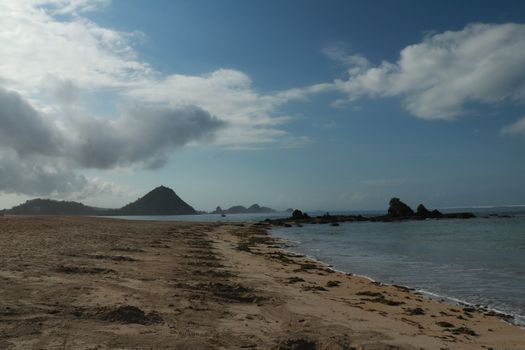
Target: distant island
column 160, row 201
column 239, row 209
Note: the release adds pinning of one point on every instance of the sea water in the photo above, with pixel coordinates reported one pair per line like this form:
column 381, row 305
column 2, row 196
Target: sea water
column 478, row 261
column 254, row 217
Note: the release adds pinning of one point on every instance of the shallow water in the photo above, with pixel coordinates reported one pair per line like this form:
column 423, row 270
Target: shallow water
column 480, row 261
column 208, row 217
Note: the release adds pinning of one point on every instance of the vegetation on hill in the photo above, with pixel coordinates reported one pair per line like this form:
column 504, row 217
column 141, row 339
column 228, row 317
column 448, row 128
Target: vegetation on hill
column 52, row 207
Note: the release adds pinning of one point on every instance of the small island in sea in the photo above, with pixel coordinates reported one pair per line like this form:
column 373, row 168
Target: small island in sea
column 239, row 209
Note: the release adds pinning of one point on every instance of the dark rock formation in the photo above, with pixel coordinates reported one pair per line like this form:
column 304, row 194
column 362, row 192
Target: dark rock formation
column 436, row 214
column 464, row 215
column 299, row 215
column 422, row 211
column 398, row 209
column 160, row 201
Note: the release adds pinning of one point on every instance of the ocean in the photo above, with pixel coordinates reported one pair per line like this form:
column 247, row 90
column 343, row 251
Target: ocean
column 478, row 261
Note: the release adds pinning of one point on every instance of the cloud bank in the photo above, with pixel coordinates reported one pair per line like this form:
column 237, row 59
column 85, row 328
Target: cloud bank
column 39, row 155
column 230, row 95
column 48, row 41
column 141, row 135
column 441, row 76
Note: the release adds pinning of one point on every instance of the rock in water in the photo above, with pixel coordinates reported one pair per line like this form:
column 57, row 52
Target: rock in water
column 422, row 212
column 436, row 214
column 399, row 209
column 299, row 215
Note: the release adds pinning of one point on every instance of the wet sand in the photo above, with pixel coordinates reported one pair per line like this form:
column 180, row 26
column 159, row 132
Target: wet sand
column 93, row 283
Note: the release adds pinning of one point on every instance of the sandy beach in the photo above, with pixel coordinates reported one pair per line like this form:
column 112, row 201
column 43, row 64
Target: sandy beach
column 98, row 283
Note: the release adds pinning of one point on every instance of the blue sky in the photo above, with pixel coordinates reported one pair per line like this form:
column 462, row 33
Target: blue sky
column 309, row 104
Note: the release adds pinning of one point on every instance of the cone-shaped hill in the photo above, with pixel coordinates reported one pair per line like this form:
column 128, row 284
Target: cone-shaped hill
column 160, row 201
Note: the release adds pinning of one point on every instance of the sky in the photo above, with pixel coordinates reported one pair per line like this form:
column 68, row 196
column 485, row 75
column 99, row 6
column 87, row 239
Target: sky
column 317, row 105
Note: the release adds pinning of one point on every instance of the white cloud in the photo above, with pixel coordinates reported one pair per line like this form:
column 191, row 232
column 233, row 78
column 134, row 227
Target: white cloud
column 35, row 47
column 73, row 6
column 340, row 53
column 439, row 77
column 226, row 92
column 517, row 128
column 229, row 94
column 52, row 59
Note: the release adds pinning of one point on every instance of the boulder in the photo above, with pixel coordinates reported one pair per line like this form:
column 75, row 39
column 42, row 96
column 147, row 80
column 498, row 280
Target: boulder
column 422, row 212
column 398, row 209
column 436, row 213
column 299, row 215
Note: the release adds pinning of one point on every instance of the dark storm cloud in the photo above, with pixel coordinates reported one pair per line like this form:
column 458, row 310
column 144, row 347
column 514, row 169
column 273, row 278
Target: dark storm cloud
column 37, row 176
column 23, row 129
column 38, row 157
column 141, row 135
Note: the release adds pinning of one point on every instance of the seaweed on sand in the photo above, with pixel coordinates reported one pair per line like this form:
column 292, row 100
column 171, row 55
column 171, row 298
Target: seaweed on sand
column 128, row 314
column 82, row 270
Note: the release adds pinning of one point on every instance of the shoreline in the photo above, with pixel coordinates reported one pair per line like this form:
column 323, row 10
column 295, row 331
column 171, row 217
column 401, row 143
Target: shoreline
column 510, row 318
column 87, row 283
column 502, row 317
column 293, row 243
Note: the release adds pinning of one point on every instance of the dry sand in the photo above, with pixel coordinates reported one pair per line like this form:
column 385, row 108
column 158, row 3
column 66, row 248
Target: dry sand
column 90, row 283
